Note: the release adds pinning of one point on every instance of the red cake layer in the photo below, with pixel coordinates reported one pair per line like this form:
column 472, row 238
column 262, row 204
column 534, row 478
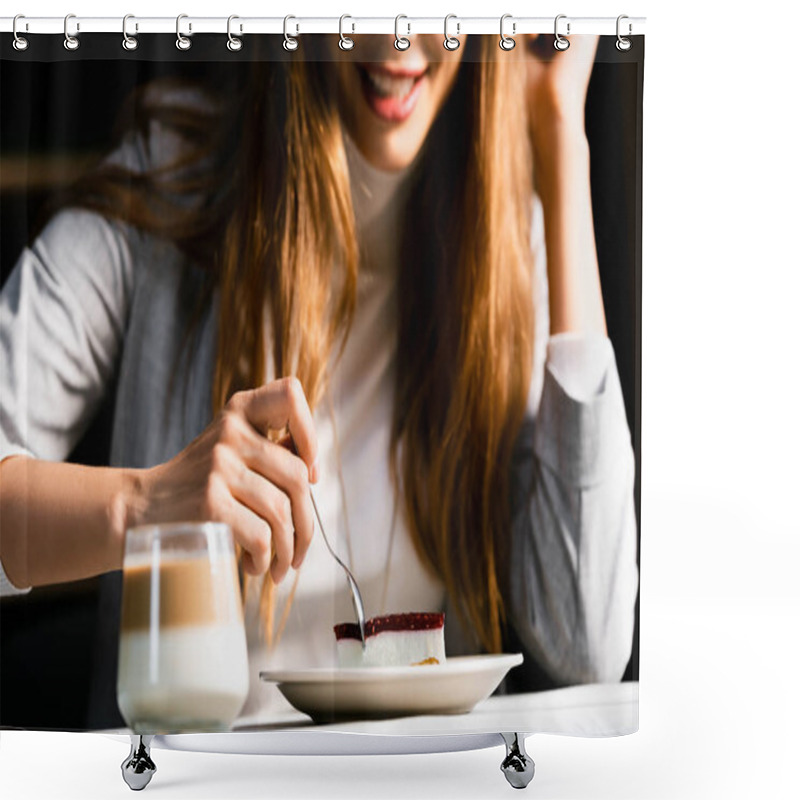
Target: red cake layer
column 419, row 621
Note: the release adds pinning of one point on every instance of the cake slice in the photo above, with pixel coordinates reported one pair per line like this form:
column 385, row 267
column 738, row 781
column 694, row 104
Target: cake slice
column 393, row 640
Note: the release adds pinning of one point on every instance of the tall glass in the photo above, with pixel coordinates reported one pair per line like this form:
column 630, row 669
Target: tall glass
column 182, row 647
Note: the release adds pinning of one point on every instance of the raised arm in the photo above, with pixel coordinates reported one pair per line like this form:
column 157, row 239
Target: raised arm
column 573, row 577
column 556, row 101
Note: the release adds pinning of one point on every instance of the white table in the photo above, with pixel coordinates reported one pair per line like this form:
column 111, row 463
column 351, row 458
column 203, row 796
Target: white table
column 88, row 765
column 591, row 710
column 718, row 717
column 597, row 710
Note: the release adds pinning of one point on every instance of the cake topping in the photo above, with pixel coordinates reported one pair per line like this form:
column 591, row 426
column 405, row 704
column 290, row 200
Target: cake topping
column 419, row 621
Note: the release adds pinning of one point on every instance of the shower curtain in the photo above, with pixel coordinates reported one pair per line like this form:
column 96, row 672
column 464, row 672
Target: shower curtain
column 442, row 245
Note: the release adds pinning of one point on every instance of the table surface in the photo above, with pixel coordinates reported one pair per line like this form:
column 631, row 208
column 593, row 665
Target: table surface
column 710, row 726
column 88, row 766
column 593, row 710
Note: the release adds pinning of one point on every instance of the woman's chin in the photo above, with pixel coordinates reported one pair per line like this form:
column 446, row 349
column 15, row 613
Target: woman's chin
column 389, row 152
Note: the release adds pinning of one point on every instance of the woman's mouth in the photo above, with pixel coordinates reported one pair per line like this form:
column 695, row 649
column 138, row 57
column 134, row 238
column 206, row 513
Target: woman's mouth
column 390, row 92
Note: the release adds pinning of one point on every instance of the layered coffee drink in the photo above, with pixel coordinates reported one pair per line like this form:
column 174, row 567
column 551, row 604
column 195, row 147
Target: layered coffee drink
column 183, row 652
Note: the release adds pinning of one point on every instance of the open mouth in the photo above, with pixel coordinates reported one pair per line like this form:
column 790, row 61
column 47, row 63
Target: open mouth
column 390, row 92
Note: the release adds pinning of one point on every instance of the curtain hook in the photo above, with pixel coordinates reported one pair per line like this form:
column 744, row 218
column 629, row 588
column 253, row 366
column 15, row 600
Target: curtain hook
column 182, row 42
column 561, row 43
column 289, row 43
column 20, row 42
column 345, row 42
column 234, row 43
column 623, row 43
column 71, row 42
column 450, row 42
column 506, row 42
column 129, row 42
column 400, row 42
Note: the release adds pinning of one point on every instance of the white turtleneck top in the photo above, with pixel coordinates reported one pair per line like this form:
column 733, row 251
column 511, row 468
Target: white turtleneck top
column 92, row 300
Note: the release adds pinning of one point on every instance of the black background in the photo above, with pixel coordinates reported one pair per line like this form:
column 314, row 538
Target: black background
column 54, row 102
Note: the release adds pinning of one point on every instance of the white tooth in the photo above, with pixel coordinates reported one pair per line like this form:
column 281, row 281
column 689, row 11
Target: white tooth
column 390, row 86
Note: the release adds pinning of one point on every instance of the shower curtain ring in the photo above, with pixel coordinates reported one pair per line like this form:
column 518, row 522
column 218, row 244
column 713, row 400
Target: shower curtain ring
column 561, row 43
column 400, row 42
column 71, row 42
column 20, row 42
column 289, row 43
column 623, row 43
column 182, row 42
column 345, row 42
column 450, row 42
column 129, row 42
column 234, row 43
column 506, row 42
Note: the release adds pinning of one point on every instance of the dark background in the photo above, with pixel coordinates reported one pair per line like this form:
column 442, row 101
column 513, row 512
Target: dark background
column 57, row 112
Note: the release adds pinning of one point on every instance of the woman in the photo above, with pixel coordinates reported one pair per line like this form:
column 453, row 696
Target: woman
column 342, row 251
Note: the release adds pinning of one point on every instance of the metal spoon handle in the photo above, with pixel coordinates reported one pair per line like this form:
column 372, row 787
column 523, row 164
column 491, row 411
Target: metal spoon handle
column 355, row 594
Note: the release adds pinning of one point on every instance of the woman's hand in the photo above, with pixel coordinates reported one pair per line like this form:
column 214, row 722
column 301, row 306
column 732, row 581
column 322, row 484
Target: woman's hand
column 233, row 473
column 556, row 91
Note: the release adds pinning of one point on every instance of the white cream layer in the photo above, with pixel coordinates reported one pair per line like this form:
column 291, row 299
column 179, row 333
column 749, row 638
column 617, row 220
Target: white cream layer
column 392, row 649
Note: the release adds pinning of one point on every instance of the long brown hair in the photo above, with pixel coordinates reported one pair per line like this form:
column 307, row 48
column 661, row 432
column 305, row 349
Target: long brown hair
column 274, row 228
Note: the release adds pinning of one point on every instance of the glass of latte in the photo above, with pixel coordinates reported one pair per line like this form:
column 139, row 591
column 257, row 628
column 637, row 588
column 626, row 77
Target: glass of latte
column 182, row 647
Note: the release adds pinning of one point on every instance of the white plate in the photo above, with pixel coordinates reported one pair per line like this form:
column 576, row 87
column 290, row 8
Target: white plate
column 454, row 687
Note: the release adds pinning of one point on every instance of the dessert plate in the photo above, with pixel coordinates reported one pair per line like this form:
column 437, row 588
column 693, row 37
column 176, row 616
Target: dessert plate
column 332, row 694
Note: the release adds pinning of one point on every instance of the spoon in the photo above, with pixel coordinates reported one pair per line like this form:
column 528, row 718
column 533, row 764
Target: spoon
column 358, row 604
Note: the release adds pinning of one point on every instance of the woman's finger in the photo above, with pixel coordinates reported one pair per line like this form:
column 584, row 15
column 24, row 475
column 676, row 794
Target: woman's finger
column 258, row 513
column 288, row 472
column 254, row 534
column 278, row 405
column 250, row 451
column 242, row 449
column 281, row 512
column 277, row 511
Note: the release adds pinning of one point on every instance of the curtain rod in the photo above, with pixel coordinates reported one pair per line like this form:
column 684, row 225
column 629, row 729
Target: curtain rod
column 350, row 25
